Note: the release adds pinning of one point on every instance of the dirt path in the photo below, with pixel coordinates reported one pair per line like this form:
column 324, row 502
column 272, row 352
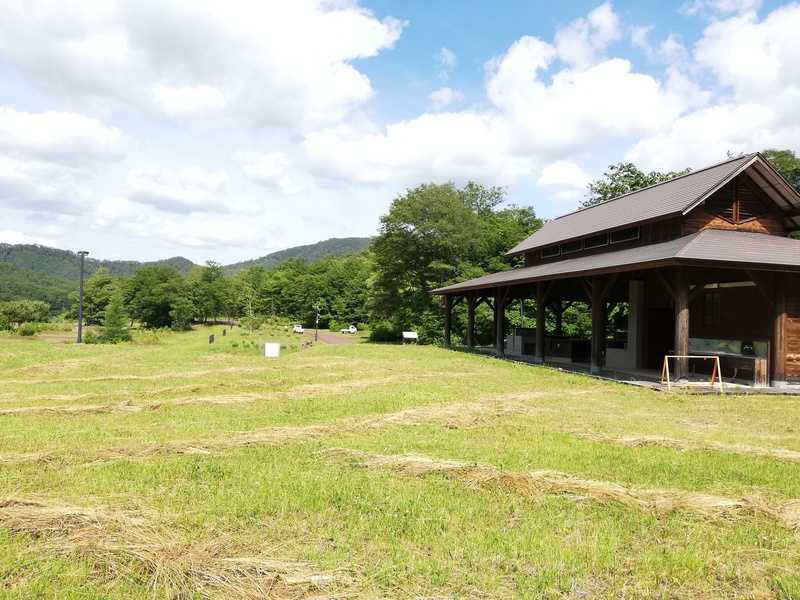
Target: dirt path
column 330, row 338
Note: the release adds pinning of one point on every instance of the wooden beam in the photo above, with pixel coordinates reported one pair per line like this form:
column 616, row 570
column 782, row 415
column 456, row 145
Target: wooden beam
column 598, row 325
column 681, row 322
column 666, row 283
column 763, row 286
column 448, row 318
column 779, row 350
column 472, row 303
column 608, row 288
column 587, row 287
column 501, row 301
column 542, row 292
column 705, row 280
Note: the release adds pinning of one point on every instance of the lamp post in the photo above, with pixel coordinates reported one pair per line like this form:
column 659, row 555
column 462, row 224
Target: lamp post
column 82, row 253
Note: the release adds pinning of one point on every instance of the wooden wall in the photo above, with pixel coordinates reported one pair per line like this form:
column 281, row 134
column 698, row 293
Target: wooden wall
column 701, row 219
column 744, row 315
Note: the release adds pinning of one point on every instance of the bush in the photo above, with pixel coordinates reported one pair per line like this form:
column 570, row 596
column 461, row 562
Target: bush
column 90, row 337
column 27, row 329
column 384, row 332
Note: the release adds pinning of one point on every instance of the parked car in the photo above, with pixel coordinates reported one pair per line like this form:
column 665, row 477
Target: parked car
column 351, row 329
column 297, row 329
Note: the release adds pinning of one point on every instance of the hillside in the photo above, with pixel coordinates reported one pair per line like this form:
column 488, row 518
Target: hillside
column 64, row 264
column 310, row 253
column 23, row 284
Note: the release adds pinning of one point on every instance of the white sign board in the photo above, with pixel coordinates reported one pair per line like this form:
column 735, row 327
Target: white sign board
column 272, row 350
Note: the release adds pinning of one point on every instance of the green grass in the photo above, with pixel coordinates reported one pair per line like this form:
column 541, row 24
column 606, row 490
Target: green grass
column 193, row 457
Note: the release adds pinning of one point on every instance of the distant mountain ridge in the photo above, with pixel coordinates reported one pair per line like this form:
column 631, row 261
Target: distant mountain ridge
column 65, row 264
column 310, row 253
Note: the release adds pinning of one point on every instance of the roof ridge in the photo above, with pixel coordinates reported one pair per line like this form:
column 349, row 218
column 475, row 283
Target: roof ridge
column 649, row 187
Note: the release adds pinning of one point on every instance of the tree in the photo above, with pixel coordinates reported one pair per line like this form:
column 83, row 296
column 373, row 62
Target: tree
column 97, row 292
column 150, row 293
column 423, row 242
column 622, row 179
column 786, row 163
column 436, row 235
column 116, row 319
column 24, row 311
column 208, row 289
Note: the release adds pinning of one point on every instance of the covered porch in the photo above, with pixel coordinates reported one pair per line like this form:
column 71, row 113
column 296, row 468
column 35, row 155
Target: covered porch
column 687, row 297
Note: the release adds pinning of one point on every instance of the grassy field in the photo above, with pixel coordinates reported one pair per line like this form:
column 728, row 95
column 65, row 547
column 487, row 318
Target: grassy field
column 177, row 468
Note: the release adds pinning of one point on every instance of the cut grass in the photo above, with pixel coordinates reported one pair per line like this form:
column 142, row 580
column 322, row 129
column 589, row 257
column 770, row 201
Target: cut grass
column 183, row 469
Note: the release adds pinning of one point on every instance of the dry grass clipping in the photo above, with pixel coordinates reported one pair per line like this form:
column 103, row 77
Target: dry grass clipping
column 540, row 483
column 454, row 416
column 126, row 406
column 122, row 546
column 653, row 440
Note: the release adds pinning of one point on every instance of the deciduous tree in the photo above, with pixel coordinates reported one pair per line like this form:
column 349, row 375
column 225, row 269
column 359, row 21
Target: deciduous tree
column 624, row 178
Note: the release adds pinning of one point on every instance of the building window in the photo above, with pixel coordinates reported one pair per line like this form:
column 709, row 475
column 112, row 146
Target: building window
column 569, row 247
column 711, row 309
column 551, row 251
column 625, row 235
column 596, row 241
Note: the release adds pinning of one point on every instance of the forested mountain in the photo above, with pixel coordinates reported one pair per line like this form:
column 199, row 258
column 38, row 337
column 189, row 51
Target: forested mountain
column 65, row 264
column 310, row 253
column 23, row 284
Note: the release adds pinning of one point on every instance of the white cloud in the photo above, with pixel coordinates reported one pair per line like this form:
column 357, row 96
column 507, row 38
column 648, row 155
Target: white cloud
column 533, row 121
column 268, row 170
column 444, row 97
column 750, row 105
column 9, row 236
column 68, row 139
column 566, row 180
column 714, row 7
column 579, row 44
column 46, row 159
column 189, row 190
column 120, row 215
column 447, row 59
column 281, row 65
column 756, row 59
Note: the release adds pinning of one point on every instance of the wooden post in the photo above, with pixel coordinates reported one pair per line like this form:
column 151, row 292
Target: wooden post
column 472, row 297
column 681, row 322
column 542, row 290
column 501, row 300
column 779, row 341
column 448, row 317
column 598, row 325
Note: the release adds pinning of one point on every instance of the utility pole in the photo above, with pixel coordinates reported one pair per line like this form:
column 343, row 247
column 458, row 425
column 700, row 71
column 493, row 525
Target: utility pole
column 82, row 253
column 316, row 323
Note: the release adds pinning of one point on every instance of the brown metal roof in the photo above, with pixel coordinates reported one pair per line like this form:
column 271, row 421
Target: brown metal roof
column 723, row 249
column 673, row 197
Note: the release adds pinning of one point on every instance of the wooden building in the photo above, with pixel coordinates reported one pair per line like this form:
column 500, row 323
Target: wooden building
column 703, row 262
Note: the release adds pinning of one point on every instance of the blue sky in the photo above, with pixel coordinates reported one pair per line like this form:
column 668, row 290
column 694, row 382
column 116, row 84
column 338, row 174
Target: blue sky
column 144, row 129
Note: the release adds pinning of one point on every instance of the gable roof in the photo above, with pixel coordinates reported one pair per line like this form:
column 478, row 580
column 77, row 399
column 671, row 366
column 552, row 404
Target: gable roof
column 707, row 247
column 669, row 198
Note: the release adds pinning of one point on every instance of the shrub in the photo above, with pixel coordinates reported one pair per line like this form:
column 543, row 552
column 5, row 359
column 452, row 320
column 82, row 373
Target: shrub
column 27, row 329
column 384, row 332
column 90, row 337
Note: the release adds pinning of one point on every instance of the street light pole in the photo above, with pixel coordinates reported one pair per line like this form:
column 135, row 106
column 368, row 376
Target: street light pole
column 82, row 253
